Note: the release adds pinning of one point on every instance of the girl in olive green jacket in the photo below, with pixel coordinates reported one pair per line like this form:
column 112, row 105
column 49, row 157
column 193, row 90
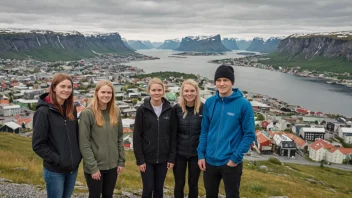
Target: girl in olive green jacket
column 101, row 141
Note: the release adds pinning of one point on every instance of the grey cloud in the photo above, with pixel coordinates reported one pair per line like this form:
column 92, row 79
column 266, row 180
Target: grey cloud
column 167, row 19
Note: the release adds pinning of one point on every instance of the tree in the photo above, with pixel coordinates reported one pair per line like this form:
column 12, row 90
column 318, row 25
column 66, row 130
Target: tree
column 260, row 117
column 245, row 92
column 134, row 101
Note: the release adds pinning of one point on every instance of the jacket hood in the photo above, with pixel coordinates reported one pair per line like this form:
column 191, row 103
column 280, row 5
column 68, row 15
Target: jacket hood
column 236, row 93
column 44, row 100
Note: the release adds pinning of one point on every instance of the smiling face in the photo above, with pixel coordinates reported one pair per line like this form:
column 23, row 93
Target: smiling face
column 62, row 91
column 104, row 95
column 156, row 92
column 189, row 93
column 224, row 86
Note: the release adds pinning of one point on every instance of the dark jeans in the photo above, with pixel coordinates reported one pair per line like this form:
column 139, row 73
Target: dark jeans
column 230, row 175
column 105, row 186
column 153, row 180
column 180, row 176
column 59, row 185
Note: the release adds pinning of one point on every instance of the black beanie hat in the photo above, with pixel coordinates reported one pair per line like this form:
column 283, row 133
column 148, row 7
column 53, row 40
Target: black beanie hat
column 224, row 71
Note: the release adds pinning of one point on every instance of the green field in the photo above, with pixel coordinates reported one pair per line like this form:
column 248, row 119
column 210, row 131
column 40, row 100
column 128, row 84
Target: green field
column 318, row 63
column 290, row 180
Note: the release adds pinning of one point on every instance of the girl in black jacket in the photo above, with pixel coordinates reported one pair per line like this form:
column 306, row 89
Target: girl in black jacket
column 55, row 137
column 188, row 115
column 154, row 142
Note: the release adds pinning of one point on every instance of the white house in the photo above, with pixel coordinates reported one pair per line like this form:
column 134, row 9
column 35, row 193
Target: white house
column 346, row 134
column 318, row 149
column 311, row 134
column 128, row 123
column 337, row 155
column 9, row 110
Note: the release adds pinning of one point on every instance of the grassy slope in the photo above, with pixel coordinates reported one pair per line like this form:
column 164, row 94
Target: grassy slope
column 319, row 63
column 15, row 151
column 47, row 53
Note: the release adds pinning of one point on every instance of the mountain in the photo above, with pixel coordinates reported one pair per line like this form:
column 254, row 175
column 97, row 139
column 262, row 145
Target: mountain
column 127, row 45
column 260, row 45
column 170, row 44
column 48, row 45
column 243, row 44
column 202, row 44
column 230, row 43
column 309, row 46
column 156, row 44
column 138, row 44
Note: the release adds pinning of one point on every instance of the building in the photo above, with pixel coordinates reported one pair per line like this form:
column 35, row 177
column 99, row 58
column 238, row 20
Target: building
column 300, row 143
column 346, row 134
column 11, row 127
column 263, row 143
column 317, row 150
column 311, row 134
column 9, row 110
column 259, row 106
column 284, row 146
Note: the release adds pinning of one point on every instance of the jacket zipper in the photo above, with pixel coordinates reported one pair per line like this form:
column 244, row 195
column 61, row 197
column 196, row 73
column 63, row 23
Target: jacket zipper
column 157, row 118
column 217, row 140
column 189, row 140
column 157, row 155
column 69, row 140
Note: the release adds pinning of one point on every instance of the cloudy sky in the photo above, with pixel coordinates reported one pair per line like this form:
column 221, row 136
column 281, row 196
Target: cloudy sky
column 169, row 19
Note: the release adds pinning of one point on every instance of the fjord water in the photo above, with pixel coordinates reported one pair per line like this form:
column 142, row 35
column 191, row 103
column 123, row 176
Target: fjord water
column 310, row 93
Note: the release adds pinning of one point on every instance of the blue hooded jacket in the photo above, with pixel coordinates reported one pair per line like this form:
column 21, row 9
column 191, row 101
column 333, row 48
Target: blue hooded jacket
column 228, row 129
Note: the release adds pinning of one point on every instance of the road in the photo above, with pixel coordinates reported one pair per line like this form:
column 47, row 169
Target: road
column 298, row 160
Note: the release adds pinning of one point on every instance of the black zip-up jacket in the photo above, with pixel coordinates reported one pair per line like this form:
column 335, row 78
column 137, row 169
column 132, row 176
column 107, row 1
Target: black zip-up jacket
column 55, row 138
column 154, row 141
column 188, row 130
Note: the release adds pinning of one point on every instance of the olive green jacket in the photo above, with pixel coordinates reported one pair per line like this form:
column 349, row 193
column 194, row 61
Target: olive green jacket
column 101, row 147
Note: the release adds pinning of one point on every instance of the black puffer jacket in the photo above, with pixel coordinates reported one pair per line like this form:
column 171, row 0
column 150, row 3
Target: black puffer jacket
column 188, row 131
column 55, row 138
column 154, row 141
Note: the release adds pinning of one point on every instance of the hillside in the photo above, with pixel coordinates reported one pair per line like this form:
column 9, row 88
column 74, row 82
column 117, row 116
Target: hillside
column 278, row 180
column 230, row 43
column 137, row 44
column 170, row 44
column 333, row 45
column 264, row 46
column 202, row 44
column 243, row 44
column 48, row 45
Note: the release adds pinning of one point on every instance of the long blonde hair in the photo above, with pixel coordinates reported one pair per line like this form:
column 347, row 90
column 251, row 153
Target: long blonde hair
column 182, row 101
column 111, row 106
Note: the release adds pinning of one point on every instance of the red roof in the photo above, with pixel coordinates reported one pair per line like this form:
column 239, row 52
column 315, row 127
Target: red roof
column 299, row 141
column 262, row 138
column 24, row 120
column 127, row 130
column 345, row 150
column 320, row 144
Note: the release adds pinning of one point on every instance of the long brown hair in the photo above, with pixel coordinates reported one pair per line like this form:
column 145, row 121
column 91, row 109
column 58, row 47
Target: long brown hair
column 69, row 107
column 111, row 106
column 182, row 100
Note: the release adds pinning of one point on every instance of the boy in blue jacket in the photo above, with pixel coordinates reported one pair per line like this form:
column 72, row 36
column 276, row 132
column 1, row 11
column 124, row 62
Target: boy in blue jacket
column 227, row 132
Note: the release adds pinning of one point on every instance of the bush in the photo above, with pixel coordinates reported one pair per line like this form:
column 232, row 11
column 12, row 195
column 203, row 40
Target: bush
column 274, row 160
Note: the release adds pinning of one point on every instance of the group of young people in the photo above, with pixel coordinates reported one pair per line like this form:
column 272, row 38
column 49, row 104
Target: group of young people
column 211, row 137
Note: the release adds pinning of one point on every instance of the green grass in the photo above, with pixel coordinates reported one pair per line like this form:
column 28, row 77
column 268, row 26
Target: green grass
column 279, row 180
column 337, row 65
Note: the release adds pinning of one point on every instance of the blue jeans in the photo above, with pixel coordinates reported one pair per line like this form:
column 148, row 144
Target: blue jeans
column 59, row 185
